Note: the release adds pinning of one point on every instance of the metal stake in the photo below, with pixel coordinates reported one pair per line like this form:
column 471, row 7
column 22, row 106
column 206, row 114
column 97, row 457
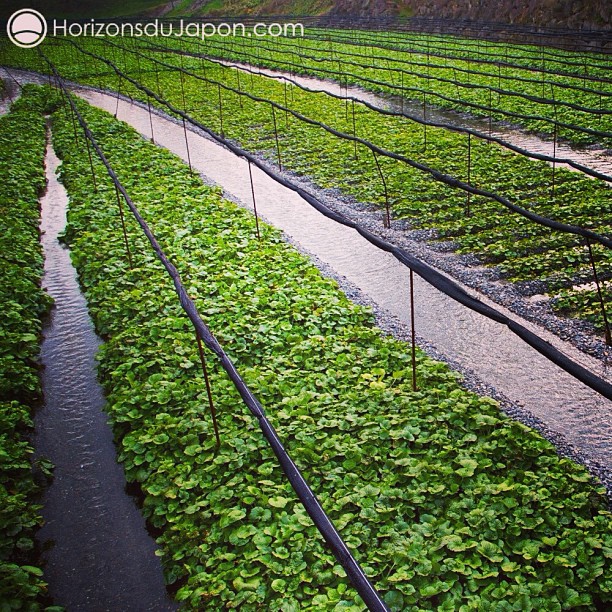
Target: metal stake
column 387, row 216
column 159, row 91
column 93, row 172
column 254, row 203
column 490, row 117
column 239, row 87
column 424, row 123
column 187, row 145
column 278, row 152
column 125, row 238
column 221, row 110
column 354, row 131
column 412, row 331
column 469, row 172
column 118, row 94
column 150, row 119
column 213, row 412
column 608, row 333
column 554, row 164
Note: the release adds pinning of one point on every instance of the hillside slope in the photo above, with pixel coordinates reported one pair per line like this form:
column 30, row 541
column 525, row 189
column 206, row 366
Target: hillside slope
column 588, row 14
column 566, row 13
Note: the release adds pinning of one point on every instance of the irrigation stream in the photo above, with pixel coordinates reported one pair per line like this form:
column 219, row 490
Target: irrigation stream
column 593, row 158
column 100, row 557
column 479, row 345
column 113, row 566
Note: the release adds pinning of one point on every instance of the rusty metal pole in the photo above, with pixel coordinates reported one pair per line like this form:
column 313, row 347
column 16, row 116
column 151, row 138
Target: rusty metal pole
column 211, row 405
column 355, row 131
column 187, row 146
column 346, row 98
column 286, row 105
column 93, row 172
column 608, row 332
column 412, row 331
column 254, row 202
column 221, row 111
column 555, row 128
column 469, row 174
column 118, row 94
column 184, row 124
column 125, row 238
column 159, row 90
column 239, row 88
column 490, row 117
column 150, row 119
column 424, row 123
column 387, row 216
column 554, row 164
column 278, row 151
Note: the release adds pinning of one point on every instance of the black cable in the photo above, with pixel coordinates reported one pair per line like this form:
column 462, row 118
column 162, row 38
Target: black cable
column 323, row 523
column 429, row 274
column 436, row 174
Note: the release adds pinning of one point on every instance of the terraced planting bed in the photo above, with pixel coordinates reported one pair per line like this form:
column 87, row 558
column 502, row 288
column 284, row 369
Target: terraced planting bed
column 445, row 502
column 313, row 135
column 532, row 91
column 23, row 304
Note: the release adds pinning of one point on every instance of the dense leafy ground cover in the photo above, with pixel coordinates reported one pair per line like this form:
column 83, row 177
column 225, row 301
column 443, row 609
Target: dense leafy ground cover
column 447, row 81
column 22, row 303
column 522, row 250
column 535, row 57
column 445, row 501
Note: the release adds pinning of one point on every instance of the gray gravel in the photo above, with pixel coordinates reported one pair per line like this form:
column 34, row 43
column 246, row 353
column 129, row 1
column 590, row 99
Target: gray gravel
column 467, row 270
column 369, row 217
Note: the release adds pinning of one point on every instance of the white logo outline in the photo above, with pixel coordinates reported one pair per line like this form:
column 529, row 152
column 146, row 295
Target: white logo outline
column 12, row 35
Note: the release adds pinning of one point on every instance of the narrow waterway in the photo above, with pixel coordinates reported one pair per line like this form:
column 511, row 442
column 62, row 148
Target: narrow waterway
column 477, row 344
column 494, row 354
column 99, row 555
column 593, row 158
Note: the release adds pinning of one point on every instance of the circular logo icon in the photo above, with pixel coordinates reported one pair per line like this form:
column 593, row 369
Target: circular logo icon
column 26, row 28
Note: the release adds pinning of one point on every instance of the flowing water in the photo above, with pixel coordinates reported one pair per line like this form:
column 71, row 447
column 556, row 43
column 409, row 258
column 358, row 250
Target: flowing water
column 476, row 344
column 595, row 159
column 491, row 351
column 100, row 556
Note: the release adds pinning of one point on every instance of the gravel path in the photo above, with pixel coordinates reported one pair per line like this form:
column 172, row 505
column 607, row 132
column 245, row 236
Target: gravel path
column 485, row 281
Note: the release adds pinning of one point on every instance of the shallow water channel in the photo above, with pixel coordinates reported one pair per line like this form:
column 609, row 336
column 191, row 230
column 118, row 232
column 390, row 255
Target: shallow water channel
column 476, row 344
column 593, row 158
column 100, row 556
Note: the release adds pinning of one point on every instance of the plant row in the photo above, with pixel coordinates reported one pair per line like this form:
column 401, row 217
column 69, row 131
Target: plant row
column 444, row 501
column 456, row 84
column 393, row 75
column 535, row 58
column 522, row 250
column 23, row 303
